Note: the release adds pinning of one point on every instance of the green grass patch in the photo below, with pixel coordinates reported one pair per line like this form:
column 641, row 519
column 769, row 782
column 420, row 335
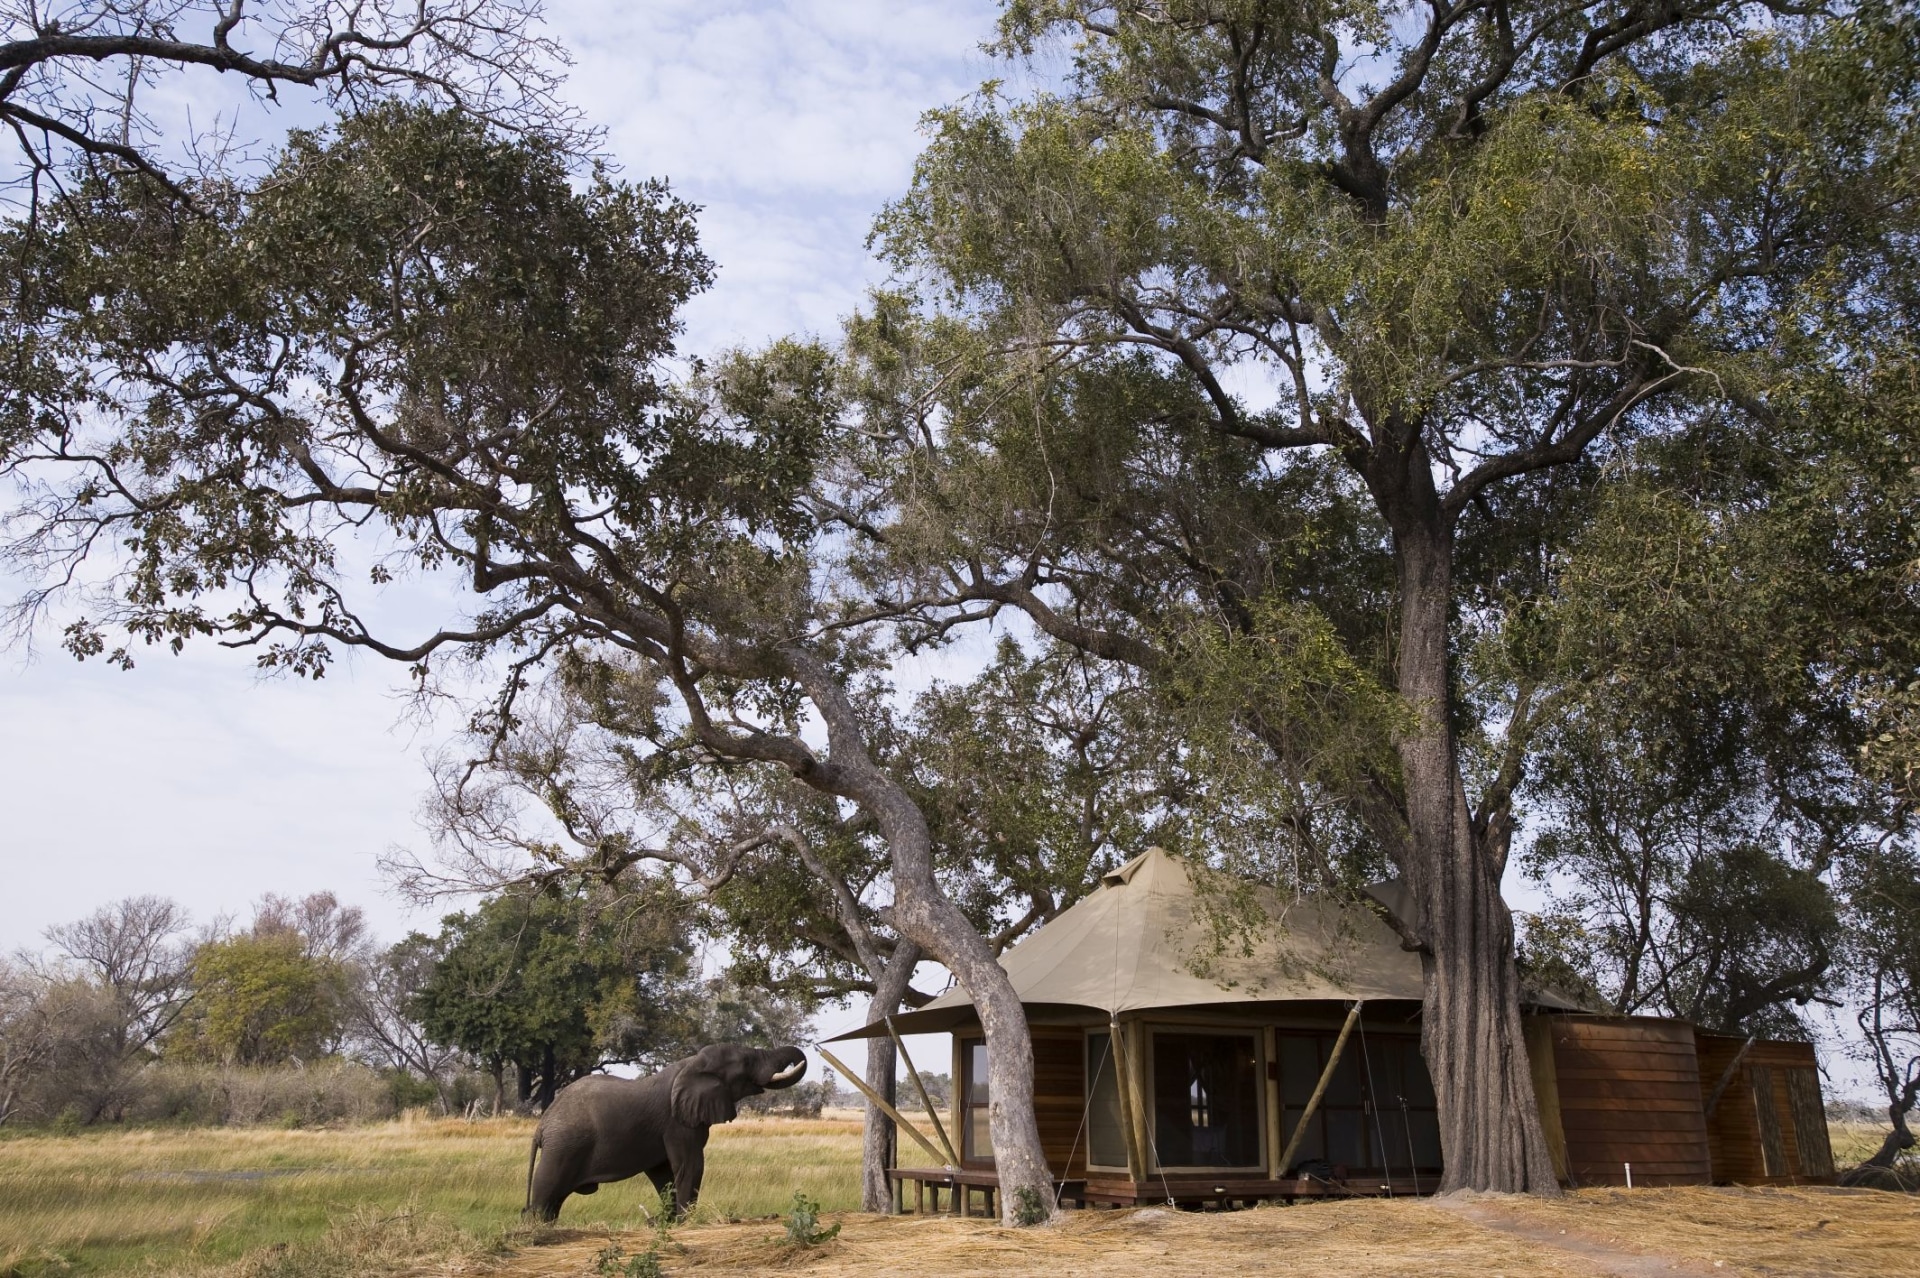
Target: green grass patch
column 355, row 1200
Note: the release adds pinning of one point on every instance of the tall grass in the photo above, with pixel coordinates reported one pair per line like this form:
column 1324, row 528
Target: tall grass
column 205, row 1199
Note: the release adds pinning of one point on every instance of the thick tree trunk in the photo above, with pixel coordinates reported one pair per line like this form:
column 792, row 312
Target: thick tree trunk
column 1490, row 1129
column 877, row 1150
column 922, row 912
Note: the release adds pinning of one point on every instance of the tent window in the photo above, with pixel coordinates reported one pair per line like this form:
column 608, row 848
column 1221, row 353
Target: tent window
column 1206, row 1100
column 1380, row 1121
column 1106, row 1136
column 977, row 1135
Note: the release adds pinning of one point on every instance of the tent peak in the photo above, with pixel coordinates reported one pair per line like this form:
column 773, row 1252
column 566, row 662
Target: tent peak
column 1124, row 875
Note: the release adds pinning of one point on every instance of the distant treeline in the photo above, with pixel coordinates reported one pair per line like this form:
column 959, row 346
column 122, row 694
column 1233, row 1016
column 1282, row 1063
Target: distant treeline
column 134, row 1015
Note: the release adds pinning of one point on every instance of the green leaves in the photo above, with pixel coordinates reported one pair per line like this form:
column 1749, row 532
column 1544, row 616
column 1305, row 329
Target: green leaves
column 529, row 974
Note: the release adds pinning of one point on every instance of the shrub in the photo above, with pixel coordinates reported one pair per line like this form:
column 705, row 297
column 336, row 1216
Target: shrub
column 243, row 1096
column 803, row 1223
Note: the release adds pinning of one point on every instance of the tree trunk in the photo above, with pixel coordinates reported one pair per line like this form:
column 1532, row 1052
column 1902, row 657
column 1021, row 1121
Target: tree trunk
column 923, row 914
column 547, row 1067
column 1900, row 1139
column 1490, row 1130
column 881, row 1140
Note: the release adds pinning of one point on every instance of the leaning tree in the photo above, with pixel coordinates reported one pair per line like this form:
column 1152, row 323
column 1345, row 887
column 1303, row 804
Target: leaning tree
column 1437, row 260
column 418, row 345
column 1036, row 777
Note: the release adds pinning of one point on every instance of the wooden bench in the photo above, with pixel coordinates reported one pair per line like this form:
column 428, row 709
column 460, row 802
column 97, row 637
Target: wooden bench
column 960, row 1184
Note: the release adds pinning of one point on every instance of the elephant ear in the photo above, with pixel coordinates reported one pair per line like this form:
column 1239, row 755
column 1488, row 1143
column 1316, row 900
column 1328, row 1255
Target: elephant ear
column 700, row 1099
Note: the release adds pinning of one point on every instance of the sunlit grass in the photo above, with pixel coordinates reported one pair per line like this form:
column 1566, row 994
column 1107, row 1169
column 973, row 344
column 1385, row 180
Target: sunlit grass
column 171, row 1201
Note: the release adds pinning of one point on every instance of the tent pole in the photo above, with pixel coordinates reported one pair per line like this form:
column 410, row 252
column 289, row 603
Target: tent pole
column 1320, row 1089
column 1129, row 1117
column 939, row 1128
column 881, row 1101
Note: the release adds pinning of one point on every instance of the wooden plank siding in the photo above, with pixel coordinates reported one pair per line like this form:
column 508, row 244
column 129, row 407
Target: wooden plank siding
column 1629, row 1092
column 1059, row 1098
column 1757, row 1110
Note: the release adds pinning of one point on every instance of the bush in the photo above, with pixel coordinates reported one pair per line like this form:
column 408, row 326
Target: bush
column 244, row 1096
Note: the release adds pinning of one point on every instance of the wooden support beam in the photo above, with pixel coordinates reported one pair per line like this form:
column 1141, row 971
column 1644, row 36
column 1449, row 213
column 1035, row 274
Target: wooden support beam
column 926, row 1101
column 1132, row 1113
column 880, row 1100
column 1320, row 1089
column 1270, row 1146
column 1726, row 1076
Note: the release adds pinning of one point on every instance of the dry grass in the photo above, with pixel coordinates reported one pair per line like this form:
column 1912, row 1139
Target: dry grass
column 1760, row 1232
column 199, row 1200
column 1841, row 1232
column 1364, row 1237
column 1854, row 1143
column 443, row 1197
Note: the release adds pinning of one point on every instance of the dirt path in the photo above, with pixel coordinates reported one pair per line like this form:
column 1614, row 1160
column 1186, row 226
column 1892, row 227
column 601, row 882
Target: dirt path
column 1647, row 1234
column 1603, row 1255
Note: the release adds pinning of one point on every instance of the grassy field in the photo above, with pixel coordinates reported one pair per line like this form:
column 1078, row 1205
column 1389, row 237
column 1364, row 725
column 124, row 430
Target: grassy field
column 446, row 1195
column 257, row 1200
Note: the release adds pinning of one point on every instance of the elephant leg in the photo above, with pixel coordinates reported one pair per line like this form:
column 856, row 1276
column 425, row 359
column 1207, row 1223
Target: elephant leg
column 554, row 1177
column 688, row 1158
column 662, row 1178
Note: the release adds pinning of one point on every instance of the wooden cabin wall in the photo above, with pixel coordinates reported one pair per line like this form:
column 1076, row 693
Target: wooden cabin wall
column 1059, row 1094
column 1769, row 1126
column 1060, row 1098
column 1629, row 1092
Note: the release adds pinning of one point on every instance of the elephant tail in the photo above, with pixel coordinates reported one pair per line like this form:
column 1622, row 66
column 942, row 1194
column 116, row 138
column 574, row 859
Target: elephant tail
column 533, row 1153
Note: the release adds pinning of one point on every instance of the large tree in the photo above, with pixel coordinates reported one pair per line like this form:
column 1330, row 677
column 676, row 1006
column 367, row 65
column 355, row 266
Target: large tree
column 1036, row 776
column 1432, row 259
column 419, row 345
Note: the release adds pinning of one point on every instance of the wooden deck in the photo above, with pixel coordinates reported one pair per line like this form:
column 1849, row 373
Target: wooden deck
column 962, row 1186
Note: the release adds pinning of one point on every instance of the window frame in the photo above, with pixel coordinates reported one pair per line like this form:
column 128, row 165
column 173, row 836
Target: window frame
column 1150, row 1090
column 964, row 1103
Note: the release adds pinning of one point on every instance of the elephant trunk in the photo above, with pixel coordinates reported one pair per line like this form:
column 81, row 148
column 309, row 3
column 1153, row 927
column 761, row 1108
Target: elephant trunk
column 783, row 1068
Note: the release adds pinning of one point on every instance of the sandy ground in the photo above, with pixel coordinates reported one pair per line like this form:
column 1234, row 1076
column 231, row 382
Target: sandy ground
column 1636, row 1235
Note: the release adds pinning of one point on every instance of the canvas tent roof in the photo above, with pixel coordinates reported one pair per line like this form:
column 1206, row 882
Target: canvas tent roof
column 1139, row 942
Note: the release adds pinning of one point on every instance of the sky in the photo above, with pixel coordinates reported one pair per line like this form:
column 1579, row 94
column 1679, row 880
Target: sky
column 790, row 124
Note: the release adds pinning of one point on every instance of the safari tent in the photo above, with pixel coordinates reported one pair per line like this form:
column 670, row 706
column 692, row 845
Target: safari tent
column 1171, row 1068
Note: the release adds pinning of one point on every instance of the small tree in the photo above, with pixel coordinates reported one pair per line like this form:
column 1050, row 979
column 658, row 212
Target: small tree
column 1883, row 962
column 26, row 1035
column 136, row 948
column 262, row 1000
column 383, row 1025
column 544, row 983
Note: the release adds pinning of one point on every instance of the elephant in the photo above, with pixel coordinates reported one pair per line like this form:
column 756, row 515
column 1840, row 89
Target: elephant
column 600, row 1128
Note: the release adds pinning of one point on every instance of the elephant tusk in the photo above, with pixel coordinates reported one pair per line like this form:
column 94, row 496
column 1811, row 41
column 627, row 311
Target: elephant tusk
column 791, row 1072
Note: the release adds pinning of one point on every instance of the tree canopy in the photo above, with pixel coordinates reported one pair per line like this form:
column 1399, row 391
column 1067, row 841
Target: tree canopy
column 1427, row 279
column 1385, row 419
column 556, row 987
